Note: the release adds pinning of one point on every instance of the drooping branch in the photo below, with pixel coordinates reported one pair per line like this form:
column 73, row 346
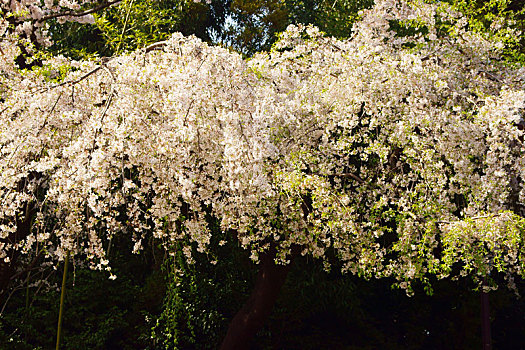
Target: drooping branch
column 76, row 81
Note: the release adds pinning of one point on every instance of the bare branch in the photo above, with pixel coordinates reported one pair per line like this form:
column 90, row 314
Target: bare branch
column 71, row 82
column 155, row 46
column 80, row 14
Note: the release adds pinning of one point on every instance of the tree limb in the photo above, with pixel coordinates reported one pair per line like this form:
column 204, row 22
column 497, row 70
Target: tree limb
column 80, row 14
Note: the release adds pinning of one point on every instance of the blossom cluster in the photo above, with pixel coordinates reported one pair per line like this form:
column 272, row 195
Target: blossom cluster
column 28, row 18
column 383, row 149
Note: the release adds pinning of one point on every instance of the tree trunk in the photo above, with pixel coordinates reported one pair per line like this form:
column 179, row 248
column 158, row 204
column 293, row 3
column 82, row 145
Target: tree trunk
column 485, row 318
column 255, row 312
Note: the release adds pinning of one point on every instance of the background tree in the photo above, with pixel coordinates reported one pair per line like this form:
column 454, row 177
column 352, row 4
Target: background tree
column 133, row 24
column 254, row 25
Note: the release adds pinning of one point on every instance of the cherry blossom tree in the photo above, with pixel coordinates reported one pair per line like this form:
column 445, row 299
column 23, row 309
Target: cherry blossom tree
column 399, row 155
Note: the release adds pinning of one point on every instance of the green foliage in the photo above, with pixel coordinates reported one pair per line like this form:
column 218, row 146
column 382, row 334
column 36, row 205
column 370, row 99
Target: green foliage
column 53, row 73
column 147, row 307
column 78, row 41
column 133, row 24
column 256, row 23
column 201, row 298
column 500, row 19
column 99, row 313
column 335, row 18
column 137, row 23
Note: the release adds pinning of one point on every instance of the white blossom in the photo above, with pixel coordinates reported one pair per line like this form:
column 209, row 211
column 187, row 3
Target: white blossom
column 324, row 144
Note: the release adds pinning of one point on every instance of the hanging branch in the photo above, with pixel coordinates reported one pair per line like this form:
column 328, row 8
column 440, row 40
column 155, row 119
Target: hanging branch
column 62, row 297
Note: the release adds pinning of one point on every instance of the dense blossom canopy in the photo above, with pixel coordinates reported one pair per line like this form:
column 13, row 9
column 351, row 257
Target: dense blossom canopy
column 401, row 155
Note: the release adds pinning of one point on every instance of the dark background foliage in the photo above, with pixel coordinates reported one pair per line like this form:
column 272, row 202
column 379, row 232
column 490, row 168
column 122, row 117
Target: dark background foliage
column 150, row 306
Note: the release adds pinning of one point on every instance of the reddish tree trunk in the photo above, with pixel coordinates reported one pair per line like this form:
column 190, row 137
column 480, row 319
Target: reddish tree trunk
column 255, row 312
column 485, row 319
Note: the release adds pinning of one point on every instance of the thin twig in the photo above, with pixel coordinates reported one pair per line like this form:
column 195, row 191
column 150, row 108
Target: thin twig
column 47, row 115
column 28, row 268
column 471, row 218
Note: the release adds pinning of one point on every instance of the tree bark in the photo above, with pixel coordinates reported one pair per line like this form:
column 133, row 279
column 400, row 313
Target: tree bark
column 256, row 311
column 485, row 318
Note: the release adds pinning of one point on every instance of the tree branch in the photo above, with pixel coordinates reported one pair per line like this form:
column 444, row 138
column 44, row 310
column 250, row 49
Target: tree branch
column 347, row 175
column 80, row 14
column 155, row 46
column 471, row 218
column 71, row 82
